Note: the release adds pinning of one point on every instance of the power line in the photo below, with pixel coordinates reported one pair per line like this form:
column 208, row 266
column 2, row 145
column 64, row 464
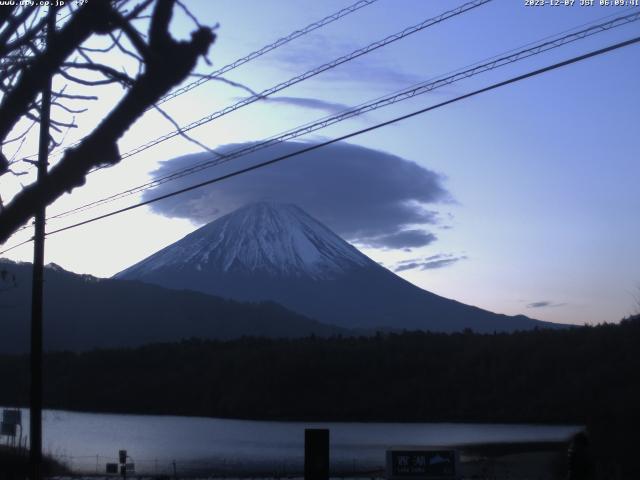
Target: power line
column 419, row 89
column 310, row 73
column 255, row 54
column 358, row 132
column 344, row 137
column 267, row 48
column 16, row 246
column 357, row 53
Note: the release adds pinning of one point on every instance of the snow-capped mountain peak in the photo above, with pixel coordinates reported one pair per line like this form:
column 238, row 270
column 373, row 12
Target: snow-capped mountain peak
column 276, row 252
column 265, row 237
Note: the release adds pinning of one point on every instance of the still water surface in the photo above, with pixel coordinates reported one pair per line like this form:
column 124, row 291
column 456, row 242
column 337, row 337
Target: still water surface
column 86, row 441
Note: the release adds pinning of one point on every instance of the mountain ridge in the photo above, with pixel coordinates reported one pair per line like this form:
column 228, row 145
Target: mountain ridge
column 83, row 312
column 320, row 275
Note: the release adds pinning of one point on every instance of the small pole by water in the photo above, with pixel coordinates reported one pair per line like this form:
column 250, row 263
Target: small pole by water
column 175, row 472
column 316, row 454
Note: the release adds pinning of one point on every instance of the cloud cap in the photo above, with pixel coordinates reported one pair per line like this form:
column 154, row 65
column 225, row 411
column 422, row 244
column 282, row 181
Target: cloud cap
column 364, row 195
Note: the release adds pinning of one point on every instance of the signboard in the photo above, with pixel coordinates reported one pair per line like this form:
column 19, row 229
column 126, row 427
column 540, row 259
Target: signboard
column 422, row 464
column 127, row 469
column 12, row 416
column 8, row 429
column 112, row 468
column 122, row 456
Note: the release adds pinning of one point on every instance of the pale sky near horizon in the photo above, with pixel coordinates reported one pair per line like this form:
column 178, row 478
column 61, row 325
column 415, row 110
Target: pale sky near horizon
column 541, row 216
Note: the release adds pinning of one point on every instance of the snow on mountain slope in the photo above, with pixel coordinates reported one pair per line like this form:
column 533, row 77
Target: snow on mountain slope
column 267, row 238
column 277, row 252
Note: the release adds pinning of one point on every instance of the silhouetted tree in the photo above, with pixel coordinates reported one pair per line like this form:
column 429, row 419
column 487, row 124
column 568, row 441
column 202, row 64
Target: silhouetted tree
column 26, row 63
column 7, row 280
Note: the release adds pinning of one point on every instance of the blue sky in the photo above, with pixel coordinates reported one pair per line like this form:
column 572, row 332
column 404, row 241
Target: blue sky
column 541, row 212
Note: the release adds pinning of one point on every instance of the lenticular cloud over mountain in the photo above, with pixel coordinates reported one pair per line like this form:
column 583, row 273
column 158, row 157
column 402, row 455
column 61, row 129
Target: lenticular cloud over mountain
column 277, row 252
column 366, row 196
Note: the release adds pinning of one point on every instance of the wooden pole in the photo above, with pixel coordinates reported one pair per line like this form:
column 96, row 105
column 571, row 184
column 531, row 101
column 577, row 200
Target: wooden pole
column 35, row 421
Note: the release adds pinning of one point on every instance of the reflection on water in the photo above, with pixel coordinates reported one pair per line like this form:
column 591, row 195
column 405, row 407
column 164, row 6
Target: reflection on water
column 86, row 441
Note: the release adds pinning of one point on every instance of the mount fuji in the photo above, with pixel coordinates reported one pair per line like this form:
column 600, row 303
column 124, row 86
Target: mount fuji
column 277, row 252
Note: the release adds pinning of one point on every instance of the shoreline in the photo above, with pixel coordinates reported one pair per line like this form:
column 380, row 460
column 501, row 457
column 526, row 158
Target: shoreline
column 498, row 460
column 305, row 420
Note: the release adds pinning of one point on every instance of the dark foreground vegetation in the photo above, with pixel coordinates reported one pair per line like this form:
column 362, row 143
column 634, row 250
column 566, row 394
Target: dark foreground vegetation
column 583, row 375
column 14, row 464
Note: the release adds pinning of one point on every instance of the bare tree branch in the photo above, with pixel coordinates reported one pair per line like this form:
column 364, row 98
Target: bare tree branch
column 28, row 37
column 235, row 84
column 12, row 25
column 85, row 22
column 188, row 13
column 167, row 62
column 138, row 9
column 134, row 37
column 105, row 70
column 67, row 109
column 183, row 134
column 75, row 97
column 87, row 83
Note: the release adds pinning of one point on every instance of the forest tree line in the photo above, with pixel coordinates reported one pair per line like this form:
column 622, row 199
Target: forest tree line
column 584, row 375
column 550, row 376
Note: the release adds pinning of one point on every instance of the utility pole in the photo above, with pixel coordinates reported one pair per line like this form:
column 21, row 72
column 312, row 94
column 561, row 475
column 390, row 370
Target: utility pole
column 35, row 413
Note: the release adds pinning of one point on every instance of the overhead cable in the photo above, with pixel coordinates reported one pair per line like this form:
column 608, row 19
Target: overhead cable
column 384, row 101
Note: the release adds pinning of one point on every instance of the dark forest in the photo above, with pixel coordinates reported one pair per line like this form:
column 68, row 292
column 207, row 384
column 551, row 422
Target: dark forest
column 583, row 375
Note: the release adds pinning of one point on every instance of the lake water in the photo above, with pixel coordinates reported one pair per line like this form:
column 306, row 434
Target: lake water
column 86, row 441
